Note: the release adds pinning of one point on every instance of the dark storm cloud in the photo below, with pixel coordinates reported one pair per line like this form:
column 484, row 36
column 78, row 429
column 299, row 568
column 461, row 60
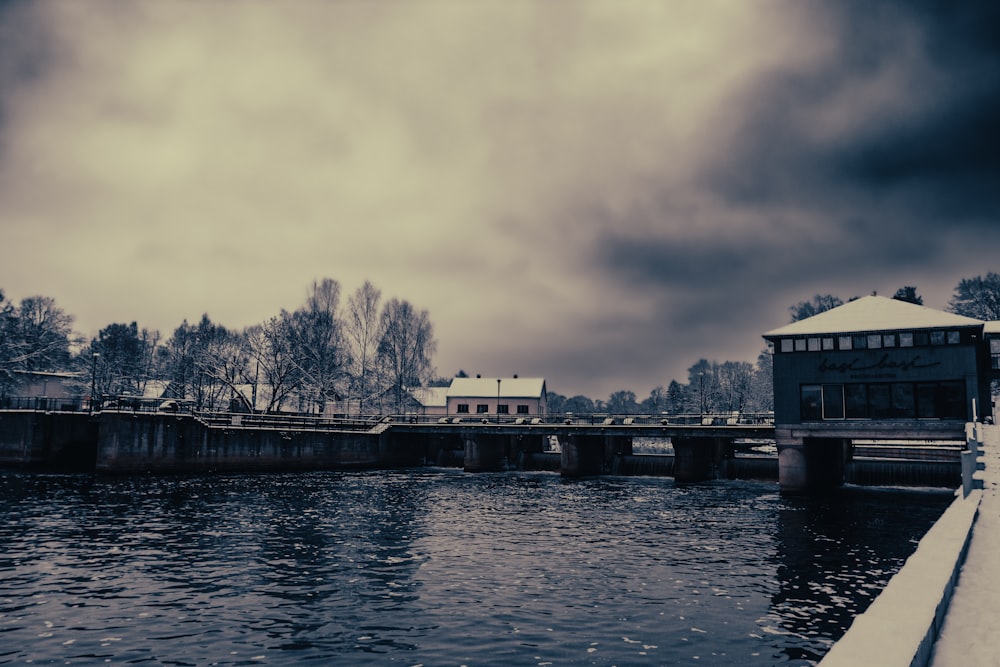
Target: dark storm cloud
column 24, row 50
column 931, row 149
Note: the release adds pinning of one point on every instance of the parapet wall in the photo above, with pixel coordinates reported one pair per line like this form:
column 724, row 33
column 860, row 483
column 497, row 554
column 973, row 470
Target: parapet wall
column 900, row 627
column 181, row 443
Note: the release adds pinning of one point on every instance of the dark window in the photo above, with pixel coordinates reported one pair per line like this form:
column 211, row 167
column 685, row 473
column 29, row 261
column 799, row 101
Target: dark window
column 902, row 401
column 856, row 400
column 482, row 408
column 811, row 402
column 860, row 342
column 879, row 401
column 833, row 401
column 522, row 409
column 954, row 338
column 503, row 409
column 921, row 339
column 463, row 407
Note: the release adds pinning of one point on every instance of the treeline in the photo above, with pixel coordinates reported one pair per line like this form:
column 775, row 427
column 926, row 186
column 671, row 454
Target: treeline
column 739, row 386
column 363, row 352
column 711, row 387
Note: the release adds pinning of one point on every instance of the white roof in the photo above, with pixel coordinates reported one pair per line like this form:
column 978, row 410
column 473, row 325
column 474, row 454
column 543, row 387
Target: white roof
column 487, row 387
column 992, row 327
column 431, row 397
column 874, row 313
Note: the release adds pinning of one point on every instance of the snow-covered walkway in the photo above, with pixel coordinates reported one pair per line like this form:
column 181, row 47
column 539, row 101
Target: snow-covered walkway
column 971, row 632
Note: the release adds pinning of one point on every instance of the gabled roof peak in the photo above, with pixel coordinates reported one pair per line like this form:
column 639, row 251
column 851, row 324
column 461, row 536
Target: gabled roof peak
column 873, row 313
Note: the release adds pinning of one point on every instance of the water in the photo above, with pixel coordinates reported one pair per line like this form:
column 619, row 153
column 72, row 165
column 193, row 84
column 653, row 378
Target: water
column 438, row 567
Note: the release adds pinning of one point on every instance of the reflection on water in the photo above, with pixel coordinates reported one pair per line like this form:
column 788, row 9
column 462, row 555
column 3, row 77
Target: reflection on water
column 438, row 567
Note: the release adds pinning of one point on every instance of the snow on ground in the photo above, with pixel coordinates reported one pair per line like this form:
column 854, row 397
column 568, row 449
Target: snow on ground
column 971, row 632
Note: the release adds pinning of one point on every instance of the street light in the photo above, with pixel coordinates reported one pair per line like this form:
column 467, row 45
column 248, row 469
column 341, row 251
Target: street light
column 498, row 400
column 93, row 380
column 701, row 385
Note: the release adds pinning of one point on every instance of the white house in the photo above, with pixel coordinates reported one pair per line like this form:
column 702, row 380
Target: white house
column 431, row 400
column 516, row 396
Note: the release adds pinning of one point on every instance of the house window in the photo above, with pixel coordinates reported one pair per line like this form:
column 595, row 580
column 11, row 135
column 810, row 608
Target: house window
column 845, row 342
column 827, row 343
column 937, row 338
column 874, row 341
column 921, row 339
column 906, row 339
column 888, row 340
column 954, row 338
column 813, row 344
column 860, row 342
column 786, row 344
column 811, row 400
column 463, row 408
column 833, row 401
column 800, row 344
column 503, row 409
column 482, row 408
column 522, row 409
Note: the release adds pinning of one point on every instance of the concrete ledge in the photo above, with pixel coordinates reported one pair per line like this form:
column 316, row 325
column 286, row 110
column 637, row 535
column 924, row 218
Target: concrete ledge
column 900, row 627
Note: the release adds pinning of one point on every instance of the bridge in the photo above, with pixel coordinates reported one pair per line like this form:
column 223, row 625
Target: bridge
column 144, row 436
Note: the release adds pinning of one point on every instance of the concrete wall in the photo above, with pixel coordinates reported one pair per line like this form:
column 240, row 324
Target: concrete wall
column 47, row 440
column 181, row 443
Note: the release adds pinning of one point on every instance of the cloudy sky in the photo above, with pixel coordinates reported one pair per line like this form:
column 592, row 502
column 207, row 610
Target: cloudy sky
column 600, row 193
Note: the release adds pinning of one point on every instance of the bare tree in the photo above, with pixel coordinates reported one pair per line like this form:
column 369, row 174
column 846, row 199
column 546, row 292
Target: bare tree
column 317, row 343
column 363, row 335
column 274, row 366
column 406, row 347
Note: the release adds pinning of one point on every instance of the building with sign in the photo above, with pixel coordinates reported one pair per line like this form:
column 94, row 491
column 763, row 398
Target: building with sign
column 875, row 368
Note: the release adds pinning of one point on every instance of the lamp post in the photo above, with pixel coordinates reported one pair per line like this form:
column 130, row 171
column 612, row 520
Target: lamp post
column 498, row 400
column 93, row 380
column 701, row 389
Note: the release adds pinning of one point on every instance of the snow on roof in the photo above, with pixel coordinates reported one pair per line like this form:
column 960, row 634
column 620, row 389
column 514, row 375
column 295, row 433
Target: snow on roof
column 873, row 313
column 487, row 387
column 430, row 397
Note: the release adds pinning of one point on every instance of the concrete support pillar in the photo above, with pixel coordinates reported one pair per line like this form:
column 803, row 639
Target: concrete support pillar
column 485, row 453
column 699, row 459
column 812, row 465
column 582, row 455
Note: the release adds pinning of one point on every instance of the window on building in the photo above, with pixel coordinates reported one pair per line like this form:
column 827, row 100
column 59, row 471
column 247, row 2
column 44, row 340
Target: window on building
column 954, row 338
column 786, row 344
column 883, row 401
column 860, row 341
column 937, row 338
column 811, row 398
column 522, row 409
column 833, row 401
column 503, row 409
column 874, row 341
column 856, row 401
column 845, row 342
column 879, row 401
column 827, row 343
column 463, row 408
column 921, row 339
column 812, row 344
column 888, row 340
column 902, row 401
column 906, row 339
column 800, row 344
column 482, row 408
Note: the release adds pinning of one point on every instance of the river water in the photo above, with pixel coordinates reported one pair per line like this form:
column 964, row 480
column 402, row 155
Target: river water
column 438, row 567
